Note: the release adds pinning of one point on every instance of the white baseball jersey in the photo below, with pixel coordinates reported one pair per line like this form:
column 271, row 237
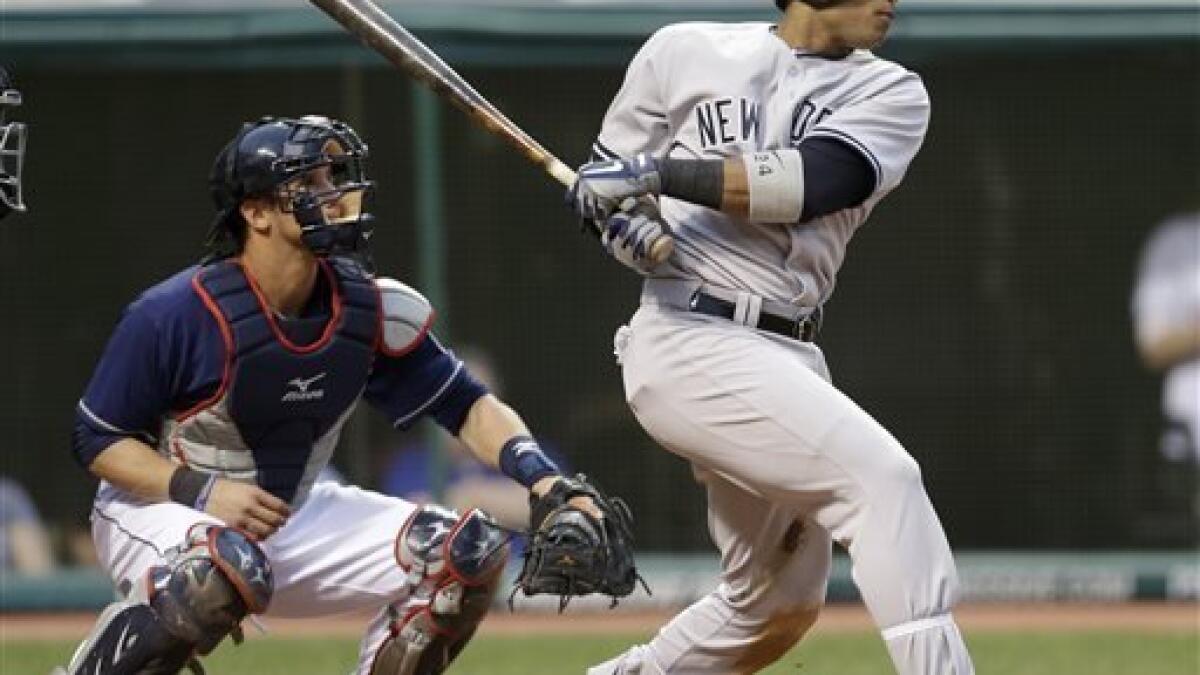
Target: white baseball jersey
column 789, row 463
column 735, row 89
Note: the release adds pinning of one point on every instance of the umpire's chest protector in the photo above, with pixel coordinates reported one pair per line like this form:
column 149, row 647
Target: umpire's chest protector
column 288, row 401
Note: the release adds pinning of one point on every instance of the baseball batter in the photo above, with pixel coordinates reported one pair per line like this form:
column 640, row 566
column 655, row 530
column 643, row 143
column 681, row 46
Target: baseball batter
column 219, row 399
column 768, row 146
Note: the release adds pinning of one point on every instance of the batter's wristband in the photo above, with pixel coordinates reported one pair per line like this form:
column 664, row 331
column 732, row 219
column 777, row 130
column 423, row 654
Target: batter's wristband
column 523, row 460
column 699, row 181
column 190, row 487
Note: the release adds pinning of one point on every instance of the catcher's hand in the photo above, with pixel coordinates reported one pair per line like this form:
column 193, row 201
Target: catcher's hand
column 572, row 553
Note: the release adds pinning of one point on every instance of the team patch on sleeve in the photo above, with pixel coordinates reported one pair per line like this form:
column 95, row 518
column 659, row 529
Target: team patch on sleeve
column 406, row 316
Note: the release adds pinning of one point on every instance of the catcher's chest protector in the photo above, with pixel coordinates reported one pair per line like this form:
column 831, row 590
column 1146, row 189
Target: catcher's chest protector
column 282, row 398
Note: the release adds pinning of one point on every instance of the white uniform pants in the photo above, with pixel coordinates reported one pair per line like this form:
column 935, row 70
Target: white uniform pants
column 789, row 463
column 334, row 555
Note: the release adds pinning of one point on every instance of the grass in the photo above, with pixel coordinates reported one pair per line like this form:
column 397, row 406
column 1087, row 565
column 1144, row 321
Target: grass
column 998, row 652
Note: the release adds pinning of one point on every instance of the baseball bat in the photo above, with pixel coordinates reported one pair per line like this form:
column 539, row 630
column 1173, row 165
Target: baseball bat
column 376, row 29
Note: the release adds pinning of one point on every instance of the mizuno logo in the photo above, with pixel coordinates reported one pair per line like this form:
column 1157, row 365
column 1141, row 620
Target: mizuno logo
column 299, row 389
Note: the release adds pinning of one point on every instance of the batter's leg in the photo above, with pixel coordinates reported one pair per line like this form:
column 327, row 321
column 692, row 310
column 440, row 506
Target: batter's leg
column 774, row 571
column 755, row 410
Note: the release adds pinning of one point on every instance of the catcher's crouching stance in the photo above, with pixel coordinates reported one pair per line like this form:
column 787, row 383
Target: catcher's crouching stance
column 221, row 397
column 208, row 585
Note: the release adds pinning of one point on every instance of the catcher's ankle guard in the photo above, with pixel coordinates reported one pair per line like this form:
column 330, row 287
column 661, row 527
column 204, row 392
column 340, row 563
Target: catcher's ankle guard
column 453, row 566
column 571, row 553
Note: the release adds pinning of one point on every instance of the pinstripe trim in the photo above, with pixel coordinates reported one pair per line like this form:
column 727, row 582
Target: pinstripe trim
column 603, row 150
column 112, row 428
column 428, row 402
column 116, row 523
column 857, row 145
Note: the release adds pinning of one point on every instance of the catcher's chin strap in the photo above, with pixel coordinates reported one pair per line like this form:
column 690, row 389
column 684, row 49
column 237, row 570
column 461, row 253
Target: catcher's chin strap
column 571, row 553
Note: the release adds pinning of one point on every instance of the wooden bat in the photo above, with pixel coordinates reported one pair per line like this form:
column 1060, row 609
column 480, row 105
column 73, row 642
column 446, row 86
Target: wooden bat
column 380, row 32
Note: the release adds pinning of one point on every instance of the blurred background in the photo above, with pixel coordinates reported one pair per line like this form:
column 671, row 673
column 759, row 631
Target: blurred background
column 984, row 314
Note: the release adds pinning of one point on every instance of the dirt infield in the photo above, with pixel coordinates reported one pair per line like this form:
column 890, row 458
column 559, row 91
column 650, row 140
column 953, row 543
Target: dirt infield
column 1138, row 617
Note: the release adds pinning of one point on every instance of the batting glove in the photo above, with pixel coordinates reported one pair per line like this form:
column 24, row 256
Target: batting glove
column 604, row 187
column 628, row 236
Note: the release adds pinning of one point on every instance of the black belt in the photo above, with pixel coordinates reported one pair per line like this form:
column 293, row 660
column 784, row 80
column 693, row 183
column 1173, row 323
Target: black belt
column 803, row 329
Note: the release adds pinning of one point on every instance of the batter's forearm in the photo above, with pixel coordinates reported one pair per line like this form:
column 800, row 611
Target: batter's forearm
column 791, row 185
column 735, row 190
column 136, row 468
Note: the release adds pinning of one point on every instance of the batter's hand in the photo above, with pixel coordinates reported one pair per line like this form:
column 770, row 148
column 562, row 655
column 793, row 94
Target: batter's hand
column 247, row 507
column 629, row 236
column 604, row 187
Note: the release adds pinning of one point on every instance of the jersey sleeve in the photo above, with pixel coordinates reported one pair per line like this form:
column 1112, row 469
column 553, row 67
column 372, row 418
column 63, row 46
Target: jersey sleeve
column 637, row 120
column 129, row 390
column 427, row 380
column 887, row 127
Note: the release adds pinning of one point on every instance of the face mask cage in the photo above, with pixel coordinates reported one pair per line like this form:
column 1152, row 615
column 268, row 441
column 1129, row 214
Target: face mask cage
column 12, row 154
column 322, row 180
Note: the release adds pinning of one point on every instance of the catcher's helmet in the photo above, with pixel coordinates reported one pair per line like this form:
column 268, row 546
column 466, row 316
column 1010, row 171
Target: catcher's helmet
column 12, row 149
column 267, row 157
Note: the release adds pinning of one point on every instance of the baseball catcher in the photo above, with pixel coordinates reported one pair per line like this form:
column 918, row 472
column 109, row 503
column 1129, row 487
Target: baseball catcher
column 572, row 552
column 222, row 395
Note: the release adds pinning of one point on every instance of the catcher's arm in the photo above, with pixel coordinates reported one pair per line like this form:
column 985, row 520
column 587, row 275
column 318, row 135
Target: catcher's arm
column 498, row 437
column 581, row 540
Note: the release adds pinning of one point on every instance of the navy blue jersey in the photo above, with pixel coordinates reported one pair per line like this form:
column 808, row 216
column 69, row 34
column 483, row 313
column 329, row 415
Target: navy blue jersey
column 167, row 362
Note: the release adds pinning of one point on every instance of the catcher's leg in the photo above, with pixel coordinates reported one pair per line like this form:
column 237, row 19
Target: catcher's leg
column 453, row 565
column 183, row 607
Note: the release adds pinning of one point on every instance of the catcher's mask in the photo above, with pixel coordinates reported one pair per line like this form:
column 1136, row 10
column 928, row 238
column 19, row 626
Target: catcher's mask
column 303, row 163
column 12, row 149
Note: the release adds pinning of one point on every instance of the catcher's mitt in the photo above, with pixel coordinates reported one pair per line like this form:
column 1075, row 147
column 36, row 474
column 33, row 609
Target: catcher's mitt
column 571, row 553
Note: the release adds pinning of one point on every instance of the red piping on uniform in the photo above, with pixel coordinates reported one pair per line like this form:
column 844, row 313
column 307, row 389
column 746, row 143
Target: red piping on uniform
column 381, row 340
column 226, row 337
column 330, row 327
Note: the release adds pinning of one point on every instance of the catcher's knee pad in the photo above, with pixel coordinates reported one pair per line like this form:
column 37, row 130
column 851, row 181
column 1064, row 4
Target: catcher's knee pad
column 210, row 584
column 453, row 565
column 183, row 607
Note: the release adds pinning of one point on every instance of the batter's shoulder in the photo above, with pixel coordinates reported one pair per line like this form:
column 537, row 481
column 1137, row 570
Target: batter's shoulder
column 882, row 71
column 701, row 37
column 406, row 316
column 876, row 78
